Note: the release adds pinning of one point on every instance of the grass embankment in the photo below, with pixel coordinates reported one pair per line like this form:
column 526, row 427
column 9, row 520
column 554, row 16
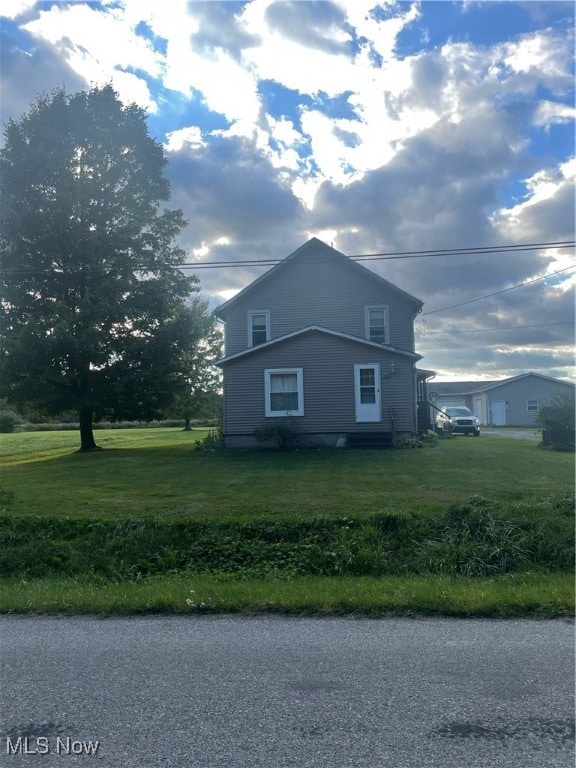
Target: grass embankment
column 470, row 527
column 529, row 595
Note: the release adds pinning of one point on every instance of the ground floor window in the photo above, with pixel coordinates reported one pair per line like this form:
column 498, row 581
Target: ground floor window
column 284, row 392
column 532, row 405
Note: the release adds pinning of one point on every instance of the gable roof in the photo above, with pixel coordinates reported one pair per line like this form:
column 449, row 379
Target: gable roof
column 318, row 329
column 313, row 245
column 493, row 384
column 458, row 387
column 474, row 387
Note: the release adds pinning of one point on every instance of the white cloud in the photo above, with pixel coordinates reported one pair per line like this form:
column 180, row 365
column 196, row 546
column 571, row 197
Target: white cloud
column 99, row 45
column 165, row 24
column 283, row 130
column 378, row 127
column 548, row 208
column 328, row 150
column 191, row 136
column 537, row 53
column 226, row 86
column 305, row 190
column 549, row 113
column 11, row 9
column 382, row 33
column 301, row 69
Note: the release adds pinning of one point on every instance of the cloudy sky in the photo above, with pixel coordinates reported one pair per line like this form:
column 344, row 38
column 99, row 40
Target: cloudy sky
column 381, row 128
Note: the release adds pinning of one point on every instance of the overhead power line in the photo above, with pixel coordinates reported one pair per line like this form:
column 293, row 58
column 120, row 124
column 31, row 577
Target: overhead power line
column 480, row 251
column 467, row 251
column 484, row 250
column 496, row 293
column 486, row 330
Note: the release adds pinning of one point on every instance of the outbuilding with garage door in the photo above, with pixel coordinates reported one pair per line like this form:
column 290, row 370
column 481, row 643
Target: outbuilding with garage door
column 513, row 402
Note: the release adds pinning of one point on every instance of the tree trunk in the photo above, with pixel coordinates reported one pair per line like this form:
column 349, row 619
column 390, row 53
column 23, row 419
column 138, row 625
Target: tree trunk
column 87, row 442
column 187, row 427
column 86, row 411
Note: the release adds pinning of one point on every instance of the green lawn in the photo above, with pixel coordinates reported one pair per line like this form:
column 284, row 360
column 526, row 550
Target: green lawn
column 161, row 472
column 466, row 527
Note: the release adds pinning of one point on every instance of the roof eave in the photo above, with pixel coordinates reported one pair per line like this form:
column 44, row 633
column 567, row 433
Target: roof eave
column 328, row 331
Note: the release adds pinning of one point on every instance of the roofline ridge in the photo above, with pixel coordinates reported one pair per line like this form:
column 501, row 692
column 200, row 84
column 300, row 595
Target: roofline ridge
column 287, row 259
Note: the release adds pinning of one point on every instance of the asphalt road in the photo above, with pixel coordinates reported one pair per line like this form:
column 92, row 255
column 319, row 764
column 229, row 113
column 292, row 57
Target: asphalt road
column 225, row 692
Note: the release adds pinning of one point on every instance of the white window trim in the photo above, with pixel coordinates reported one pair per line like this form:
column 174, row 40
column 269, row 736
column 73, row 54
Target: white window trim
column 386, row 321
column 251, row 313
column 533, row 410
column 267, row 391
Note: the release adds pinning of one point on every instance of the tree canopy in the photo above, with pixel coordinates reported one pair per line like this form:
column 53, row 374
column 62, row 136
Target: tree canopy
column 200, row 391
column 94, row 310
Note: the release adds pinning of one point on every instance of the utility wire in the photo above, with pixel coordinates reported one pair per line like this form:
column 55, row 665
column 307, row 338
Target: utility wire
column 398, row 255
column 486, row 330
column 496, row 293
column 484, row 250
column 467, row 251
column 392, row 255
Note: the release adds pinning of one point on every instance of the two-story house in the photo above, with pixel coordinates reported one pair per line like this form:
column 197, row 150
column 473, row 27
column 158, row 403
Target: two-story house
column 323, row 340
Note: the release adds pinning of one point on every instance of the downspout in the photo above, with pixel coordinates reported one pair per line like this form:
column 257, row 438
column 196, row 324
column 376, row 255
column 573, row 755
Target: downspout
column 415, row 419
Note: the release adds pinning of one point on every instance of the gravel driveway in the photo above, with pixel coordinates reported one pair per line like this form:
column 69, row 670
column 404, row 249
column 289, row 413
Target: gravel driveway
column 520, row 433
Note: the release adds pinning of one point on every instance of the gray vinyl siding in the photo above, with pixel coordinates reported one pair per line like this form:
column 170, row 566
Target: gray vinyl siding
column 328, row 370
column 516, row 393
column 329, row 292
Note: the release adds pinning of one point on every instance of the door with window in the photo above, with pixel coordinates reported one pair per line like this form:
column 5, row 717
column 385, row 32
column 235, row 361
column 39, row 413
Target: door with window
column 367, row 393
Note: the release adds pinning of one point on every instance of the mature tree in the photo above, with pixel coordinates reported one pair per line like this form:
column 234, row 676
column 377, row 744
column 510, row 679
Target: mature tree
column 200, row 383
column 94, row 310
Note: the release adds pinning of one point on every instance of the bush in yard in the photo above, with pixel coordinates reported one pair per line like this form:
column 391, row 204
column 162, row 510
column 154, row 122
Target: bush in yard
column 284, row 434
column 557, row 419
column 214, row 440
column 9, row 418
column 416, row 441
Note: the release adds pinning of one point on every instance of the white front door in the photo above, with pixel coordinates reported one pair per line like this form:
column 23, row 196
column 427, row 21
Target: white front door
column 367, row 392
column 498, row 413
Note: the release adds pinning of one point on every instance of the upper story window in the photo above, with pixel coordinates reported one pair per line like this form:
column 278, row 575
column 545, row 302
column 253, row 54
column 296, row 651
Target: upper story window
column 376, row 321
column 258, row 327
